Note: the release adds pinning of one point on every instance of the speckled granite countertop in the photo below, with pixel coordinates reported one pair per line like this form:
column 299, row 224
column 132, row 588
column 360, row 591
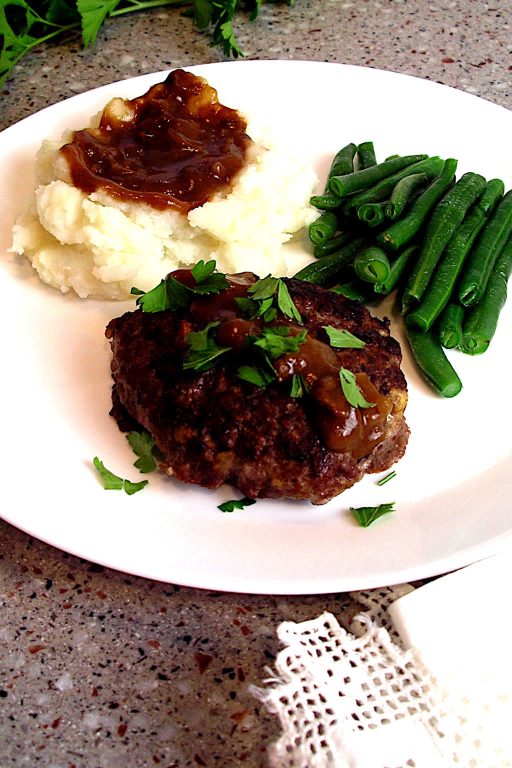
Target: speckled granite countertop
column 99, row 669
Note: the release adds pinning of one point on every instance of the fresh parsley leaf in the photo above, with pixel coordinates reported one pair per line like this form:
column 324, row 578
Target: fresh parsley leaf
column 203, row 12
column 277, row 340
column 62, row 12
column 256, row 374
column 112, row 482
column 286, row 304
column 203, row 269
column 365, row 516
column 264, row 306
column 387, row 478
column 24, row 25
column 249, row 307
column 265, row 291
column 342, row 339
column 264, row 288
column 207, row 280
column 142, row 444
column 224, row 35
column 299, row 386
column 254, row 11
column 352, row 291
column 213, row 284
column 264, row 309
column 230, row 506
column 93, row 14
column 131, row 488
column 203, row 349
column 172, row 294
column 351, row 390
column 168, row 294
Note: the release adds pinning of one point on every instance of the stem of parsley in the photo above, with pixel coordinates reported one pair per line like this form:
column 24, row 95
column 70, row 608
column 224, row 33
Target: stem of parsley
column 142, row 5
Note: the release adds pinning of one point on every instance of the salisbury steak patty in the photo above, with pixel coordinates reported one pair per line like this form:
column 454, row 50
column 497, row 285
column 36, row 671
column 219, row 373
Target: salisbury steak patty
column 213, row 427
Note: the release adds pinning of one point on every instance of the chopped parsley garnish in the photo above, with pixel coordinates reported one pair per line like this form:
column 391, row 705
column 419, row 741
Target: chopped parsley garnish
column 271, row 293
column 207, row 279
column 342, row 339
column 171, row 294
column 387, row 478
column 230, row 506
column 351, row 390
column 286, row 304
column 264, row 288
column 299, row 386
column 264, row 309
column 143, row 444
column 168, row 294
column 256, row 374
column 203, row 350
column 277, row 340
column 112, row 482
column 365, row 516
column 351, row 291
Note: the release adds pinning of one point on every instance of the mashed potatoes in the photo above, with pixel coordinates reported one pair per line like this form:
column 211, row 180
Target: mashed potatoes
column 101, row 247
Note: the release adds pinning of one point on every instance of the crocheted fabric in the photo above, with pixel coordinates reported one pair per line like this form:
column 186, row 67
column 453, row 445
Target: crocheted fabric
column 359, row 700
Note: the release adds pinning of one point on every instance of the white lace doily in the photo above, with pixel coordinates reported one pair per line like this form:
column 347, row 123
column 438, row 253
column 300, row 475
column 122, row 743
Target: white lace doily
column 359, row 700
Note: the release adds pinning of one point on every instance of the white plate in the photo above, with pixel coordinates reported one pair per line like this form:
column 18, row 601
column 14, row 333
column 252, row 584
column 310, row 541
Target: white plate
column 453, row 489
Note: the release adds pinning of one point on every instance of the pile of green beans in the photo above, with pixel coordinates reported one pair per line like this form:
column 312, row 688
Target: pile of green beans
column 408, row 224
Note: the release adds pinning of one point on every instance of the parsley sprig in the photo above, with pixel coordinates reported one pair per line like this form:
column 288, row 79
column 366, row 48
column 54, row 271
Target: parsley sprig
column 365, row 516
column 342, row 339
column 172, row 294
column 203, row 350
column 112, row 482
column 27, row 23
column 143, row 446
column 275, row 341
column 351, row 390
column 232, row 504
column 267, row 297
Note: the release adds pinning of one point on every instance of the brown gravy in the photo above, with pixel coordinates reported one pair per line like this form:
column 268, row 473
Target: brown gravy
column 174, row 147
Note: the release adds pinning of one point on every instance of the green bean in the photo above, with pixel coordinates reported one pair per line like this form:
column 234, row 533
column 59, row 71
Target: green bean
column 433, row 363
column 396, row 270
column 343, row 161
column 372, row 213
column 481, row 321
column 366, row 154
column 445, row 276
column 323, row 228
column 354, row 290
column 402, row 231
column 366, row 177
column 326, row 202
column 447, row 215
column 402, row 192
column 324, row 249
column 326, row 270
column 450, row 325
column 482, row 257
column 372, row 265
column 431, row 166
